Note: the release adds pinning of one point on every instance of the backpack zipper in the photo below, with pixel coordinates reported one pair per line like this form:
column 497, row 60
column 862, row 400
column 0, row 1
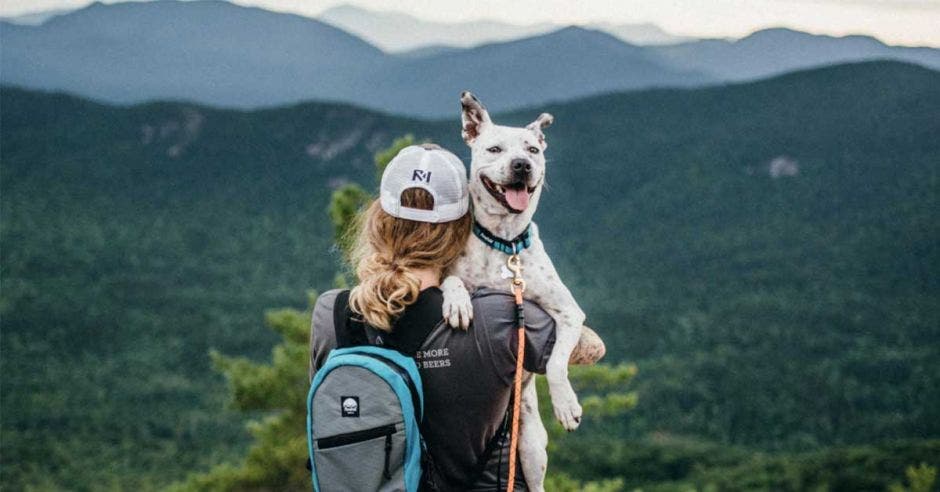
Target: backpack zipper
column 359, row 436
column 388, row 454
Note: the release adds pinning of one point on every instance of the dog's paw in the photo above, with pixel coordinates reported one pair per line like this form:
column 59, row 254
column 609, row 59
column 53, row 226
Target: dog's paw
column 458, row 308
column 566, row 407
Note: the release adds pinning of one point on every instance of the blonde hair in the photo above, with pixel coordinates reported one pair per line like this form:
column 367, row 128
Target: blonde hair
column 388, row 250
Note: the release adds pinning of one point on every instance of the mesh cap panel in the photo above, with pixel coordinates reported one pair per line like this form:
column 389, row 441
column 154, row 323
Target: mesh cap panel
column 438, row 171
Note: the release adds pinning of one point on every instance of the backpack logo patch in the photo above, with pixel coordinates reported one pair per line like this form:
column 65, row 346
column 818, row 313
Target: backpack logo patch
column 350, row 406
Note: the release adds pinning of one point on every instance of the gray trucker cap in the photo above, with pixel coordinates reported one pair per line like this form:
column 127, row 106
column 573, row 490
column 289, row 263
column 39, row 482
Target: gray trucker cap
column 436, row 170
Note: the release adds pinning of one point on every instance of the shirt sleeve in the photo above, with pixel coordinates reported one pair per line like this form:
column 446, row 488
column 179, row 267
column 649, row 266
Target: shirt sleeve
column 539, row 338
column 494, row 322
column 322, row 333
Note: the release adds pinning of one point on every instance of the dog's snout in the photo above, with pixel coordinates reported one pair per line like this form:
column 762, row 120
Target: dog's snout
column 521, row 166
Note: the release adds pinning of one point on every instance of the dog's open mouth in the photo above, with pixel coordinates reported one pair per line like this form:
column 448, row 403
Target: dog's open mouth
column 513, row 196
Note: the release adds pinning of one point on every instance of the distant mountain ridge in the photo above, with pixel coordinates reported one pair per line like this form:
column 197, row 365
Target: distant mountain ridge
column 774, row 51
column 219, row 53
column 209, row 51
column 564, row 64
column 398, row 32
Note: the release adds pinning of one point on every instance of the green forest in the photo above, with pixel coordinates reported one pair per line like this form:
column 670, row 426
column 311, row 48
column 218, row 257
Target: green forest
column 761, row 260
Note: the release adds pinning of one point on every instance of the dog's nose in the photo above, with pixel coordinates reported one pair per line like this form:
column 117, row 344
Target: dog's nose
column 521, row 166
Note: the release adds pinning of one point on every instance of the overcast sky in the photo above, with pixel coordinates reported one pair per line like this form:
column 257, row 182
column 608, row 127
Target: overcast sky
column 907, row 22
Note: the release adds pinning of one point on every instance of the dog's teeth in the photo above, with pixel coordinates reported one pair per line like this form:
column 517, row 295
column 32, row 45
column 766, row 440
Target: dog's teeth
column 500, row 189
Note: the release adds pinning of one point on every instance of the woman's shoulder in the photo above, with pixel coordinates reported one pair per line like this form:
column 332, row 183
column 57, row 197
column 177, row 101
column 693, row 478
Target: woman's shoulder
column 323, row 310
column 322, row 334
column 326, row 300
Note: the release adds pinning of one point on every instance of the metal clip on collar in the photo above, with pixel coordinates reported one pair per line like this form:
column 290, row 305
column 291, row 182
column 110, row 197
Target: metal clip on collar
column 517, row 283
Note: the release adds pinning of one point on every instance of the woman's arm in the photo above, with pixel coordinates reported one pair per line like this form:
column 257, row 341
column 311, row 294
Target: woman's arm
column 494, row 322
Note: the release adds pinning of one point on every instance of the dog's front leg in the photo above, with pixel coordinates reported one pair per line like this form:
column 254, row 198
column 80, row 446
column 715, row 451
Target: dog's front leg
column 458, row 308
column 533, row 438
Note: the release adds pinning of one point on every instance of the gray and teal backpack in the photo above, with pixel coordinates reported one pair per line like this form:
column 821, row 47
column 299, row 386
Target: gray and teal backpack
column 364, row 411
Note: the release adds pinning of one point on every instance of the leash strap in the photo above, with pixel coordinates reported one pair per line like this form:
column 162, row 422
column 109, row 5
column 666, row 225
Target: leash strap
column 518, row 287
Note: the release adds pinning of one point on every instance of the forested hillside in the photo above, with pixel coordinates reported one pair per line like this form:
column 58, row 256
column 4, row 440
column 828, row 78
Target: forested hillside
column 767, row 254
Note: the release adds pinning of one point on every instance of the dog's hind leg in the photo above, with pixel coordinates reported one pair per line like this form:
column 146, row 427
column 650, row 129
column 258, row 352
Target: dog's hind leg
column 568, row 323
column 533, row 439
column 546, row 290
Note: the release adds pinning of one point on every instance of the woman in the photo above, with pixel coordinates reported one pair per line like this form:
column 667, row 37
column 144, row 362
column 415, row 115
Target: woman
column 407, row 239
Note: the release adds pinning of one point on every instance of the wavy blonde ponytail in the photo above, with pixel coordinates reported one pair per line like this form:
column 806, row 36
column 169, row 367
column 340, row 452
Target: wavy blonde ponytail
column 385, row 289
column 389, row 249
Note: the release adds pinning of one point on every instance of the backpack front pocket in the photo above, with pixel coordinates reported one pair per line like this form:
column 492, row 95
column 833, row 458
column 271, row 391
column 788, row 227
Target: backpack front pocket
column 368, row 459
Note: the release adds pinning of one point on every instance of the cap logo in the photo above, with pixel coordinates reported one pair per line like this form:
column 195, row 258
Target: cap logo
column 420, row 175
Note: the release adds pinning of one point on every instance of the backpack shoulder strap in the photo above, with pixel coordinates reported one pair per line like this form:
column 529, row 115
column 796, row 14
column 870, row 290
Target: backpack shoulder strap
column 412, row 329
column 408, row 334
column 349, row 332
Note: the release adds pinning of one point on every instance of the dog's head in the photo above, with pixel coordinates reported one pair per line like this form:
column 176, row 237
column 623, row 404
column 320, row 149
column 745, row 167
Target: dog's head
column 507, row 169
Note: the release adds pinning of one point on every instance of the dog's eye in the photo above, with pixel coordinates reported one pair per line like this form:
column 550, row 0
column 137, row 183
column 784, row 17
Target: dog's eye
column 494, row 149
column 534, row 150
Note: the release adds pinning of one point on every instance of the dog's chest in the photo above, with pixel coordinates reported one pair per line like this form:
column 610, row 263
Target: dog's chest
column 482, row 266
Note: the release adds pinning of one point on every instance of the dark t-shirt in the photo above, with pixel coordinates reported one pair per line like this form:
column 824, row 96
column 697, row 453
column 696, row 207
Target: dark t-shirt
column 467, row 378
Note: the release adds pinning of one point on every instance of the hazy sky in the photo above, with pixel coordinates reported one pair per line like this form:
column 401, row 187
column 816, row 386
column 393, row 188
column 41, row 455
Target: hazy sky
column 908, row 22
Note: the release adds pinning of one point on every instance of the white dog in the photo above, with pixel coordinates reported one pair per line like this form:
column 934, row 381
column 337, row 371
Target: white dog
column 507, row 171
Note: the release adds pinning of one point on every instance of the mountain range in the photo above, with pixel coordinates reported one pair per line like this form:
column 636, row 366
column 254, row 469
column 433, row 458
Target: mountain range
column 209, row 51
column 397, row 32
column 564, row 64
column 774, row 51
column 765, row 252
column 223, row 54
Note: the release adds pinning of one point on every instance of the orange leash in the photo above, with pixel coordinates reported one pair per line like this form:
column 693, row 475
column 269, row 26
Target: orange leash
column 518, row 287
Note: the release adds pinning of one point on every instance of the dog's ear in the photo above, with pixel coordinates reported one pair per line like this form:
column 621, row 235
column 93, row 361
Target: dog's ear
column 543, row 121
column 473, row 116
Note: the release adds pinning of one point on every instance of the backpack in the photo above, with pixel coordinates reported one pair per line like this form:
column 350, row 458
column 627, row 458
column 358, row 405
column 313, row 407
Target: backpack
column 364, row 410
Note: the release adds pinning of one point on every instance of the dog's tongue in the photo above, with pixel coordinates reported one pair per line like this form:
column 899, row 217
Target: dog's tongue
column 517, row 199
